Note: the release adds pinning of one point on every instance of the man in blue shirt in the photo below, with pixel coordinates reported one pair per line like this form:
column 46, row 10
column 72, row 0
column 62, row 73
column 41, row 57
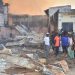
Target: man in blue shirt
column 65, row 42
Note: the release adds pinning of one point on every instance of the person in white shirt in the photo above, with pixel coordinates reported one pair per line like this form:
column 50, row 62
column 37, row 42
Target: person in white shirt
column 47, row 45
column 70, row 41
column 70, row 49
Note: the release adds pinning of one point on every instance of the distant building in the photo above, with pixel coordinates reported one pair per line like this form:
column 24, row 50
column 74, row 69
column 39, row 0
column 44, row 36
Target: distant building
column 61, row 17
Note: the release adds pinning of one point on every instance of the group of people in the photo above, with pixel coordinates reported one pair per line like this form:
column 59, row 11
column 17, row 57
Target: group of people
column 55, row 40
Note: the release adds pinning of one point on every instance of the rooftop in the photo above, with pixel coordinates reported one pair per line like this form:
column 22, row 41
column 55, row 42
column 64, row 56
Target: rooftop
column 62, row 9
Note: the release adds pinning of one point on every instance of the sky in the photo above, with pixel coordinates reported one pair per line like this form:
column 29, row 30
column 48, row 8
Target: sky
column 35, row 7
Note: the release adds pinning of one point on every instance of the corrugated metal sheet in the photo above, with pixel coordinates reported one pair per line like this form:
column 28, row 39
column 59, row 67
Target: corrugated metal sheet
column 53, row 10
column 4, row 32
column 5, row 14
column 1, row 19
column 21, row 29
column 1, row 6
column 64, row 8
column 70, row 11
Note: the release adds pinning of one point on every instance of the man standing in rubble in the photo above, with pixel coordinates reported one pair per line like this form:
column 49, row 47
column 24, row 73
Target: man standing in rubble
column 47, row 46
column 57, row 44
column 65, row 43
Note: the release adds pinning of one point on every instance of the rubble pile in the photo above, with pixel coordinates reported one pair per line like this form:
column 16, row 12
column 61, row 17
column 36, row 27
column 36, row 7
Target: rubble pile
column 28, row 62
column 32, row 39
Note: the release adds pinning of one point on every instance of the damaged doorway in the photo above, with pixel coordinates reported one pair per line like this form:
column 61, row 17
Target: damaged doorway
column 67, row 26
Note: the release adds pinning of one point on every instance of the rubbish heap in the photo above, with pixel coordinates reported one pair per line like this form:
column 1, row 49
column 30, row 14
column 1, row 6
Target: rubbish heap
column 29, row 61
column 9, row 60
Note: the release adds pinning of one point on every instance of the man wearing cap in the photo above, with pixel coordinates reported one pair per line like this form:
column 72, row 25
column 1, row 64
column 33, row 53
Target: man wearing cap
column 47, row 45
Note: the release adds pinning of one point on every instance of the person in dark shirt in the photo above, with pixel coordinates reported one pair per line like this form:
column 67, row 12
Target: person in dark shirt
column 52, row 40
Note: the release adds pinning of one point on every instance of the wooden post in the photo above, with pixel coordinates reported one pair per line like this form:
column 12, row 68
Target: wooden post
column 49, row 30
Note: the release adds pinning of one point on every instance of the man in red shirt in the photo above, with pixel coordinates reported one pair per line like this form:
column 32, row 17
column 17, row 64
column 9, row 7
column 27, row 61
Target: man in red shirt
column 57, row 44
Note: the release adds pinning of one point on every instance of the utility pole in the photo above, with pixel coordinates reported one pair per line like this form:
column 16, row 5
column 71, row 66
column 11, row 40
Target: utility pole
column 49, row 27
column 28, row 22
column 6, row 13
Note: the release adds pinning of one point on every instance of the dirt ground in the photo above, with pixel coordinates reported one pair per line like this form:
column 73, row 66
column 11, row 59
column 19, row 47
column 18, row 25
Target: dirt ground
column 71, row 64
column 52, row 59
column 23, row 71
column 71, row 72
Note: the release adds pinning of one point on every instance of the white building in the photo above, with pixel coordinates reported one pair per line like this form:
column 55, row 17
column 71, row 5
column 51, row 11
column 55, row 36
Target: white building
column 61, row 17
column 66, row 20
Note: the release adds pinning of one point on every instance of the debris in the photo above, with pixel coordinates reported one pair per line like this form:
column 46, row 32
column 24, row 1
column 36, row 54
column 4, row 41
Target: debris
column 33, row 73
column 3, row 65
column 46, row 71
column 18, row 74
column 30, row 40
column 42, row 60
column 4, row 74
column 56, row 70
column 36, row 56
column 15, row 43
column 21, row 30
column 33, row 56
column 64, row 65
column 6, row 50
column 21, row 62
column 30, row 55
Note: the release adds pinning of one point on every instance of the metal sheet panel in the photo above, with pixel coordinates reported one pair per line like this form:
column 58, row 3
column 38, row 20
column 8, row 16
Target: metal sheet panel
column 53, row 10
column 1, row 19
column 5, row 14
column 21, row 29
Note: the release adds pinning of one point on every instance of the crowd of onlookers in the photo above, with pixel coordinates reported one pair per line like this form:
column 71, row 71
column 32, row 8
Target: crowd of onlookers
column 64, row 42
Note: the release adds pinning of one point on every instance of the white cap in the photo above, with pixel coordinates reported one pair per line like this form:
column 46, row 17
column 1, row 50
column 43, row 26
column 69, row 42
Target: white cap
column 47, row 33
